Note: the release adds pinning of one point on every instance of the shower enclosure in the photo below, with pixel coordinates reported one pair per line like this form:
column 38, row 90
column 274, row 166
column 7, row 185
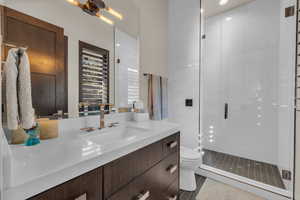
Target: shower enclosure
column 247, row 91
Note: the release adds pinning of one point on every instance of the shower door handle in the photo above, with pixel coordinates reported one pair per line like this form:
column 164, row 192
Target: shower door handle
column 226, row 111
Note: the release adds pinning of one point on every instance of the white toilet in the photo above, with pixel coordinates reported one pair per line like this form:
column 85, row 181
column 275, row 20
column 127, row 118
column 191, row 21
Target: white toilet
column 189, row 162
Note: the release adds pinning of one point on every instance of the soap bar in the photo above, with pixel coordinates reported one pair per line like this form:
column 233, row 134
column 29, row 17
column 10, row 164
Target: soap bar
column 48, row 129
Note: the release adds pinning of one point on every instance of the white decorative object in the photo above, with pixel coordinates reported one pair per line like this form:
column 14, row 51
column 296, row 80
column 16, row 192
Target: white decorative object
column 140, row 117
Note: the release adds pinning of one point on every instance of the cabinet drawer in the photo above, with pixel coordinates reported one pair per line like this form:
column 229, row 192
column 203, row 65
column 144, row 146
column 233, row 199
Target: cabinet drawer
column 120, row 172
column 172, row 192
column 153, row 184
column 145, row 185
column 85, row 187
column 171, row 144
column 168, row 170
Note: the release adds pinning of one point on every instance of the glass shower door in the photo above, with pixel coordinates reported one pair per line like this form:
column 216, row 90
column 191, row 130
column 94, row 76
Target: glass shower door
column 245, row 76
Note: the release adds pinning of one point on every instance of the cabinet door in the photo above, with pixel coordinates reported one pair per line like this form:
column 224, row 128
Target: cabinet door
column 85, row 187
column 45, row 44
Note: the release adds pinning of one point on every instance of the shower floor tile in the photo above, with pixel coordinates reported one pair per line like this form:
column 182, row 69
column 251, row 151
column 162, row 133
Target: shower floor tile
column 258, row 171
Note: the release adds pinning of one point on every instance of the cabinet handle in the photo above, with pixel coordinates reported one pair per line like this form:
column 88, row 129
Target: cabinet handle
column 82, row 197
column 173, row 169
column 173, row 197
column 172, row 145
column 226, row 111
column 144, row 196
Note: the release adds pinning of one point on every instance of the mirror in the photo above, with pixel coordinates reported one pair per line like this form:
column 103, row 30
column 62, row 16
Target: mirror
column 76, row 59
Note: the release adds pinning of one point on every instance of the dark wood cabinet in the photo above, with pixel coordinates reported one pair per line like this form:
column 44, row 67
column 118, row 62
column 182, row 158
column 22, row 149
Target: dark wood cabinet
column 170, row 144
column 120, row 172
column 46, row 51
column 88, row 185
column 153, row 183
column 151, row 172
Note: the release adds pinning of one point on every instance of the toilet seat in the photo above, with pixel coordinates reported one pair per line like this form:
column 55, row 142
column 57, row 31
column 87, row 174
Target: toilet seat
column 187, row 154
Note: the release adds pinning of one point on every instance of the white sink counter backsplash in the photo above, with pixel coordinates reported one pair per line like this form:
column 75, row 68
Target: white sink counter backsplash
column 32, row 170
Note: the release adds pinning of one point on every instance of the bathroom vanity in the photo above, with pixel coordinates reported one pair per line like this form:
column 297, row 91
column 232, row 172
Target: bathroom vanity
column 149, row 173
column 138, row 160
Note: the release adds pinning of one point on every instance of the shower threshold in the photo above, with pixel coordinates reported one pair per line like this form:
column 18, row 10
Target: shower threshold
column 258, row 171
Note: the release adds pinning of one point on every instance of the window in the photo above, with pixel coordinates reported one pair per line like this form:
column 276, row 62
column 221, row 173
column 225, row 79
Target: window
column 93, row 74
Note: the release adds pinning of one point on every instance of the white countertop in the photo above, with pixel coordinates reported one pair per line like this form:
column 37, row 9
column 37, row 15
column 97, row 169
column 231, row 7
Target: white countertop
column 53, row 162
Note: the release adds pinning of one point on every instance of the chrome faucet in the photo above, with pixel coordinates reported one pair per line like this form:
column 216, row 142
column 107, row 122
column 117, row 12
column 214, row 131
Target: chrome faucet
column 102, row 112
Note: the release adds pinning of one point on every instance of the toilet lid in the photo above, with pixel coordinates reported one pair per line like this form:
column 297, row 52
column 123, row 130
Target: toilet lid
column 189, row 154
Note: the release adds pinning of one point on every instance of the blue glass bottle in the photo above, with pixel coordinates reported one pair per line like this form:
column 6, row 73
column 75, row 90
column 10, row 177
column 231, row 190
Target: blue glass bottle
column 33, row 138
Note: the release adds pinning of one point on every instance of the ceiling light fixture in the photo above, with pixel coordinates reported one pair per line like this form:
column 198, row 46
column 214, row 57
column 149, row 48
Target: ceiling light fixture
column 223, row 2
column 105, row 19
column 95, row 8
column 74, row 2
column 114, row 13
column 228, row 18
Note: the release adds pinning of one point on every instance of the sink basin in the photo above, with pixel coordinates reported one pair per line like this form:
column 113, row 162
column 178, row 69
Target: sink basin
column 122, row 134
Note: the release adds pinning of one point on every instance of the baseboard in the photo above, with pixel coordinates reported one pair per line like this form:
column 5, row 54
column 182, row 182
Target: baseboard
column 246, row 185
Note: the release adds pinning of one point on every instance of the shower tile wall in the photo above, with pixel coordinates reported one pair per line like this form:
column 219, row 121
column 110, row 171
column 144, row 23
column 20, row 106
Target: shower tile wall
column 183, row 67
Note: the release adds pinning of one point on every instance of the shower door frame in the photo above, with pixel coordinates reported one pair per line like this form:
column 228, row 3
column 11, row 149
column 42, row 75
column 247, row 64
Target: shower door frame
column 247, row 184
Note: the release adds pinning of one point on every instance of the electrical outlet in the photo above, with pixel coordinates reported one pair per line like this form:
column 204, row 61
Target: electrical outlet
column 189, row 102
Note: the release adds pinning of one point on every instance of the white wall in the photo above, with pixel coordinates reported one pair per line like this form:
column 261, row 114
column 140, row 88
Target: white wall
column 183, row 67
column 80, row 26
column 153, row 40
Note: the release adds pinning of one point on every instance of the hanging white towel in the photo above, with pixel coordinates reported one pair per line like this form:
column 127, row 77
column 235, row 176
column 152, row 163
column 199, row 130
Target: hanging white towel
column 18, row 91
column 11, row 73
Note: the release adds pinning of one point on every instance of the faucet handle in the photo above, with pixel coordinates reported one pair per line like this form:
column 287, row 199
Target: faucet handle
column 114, row 124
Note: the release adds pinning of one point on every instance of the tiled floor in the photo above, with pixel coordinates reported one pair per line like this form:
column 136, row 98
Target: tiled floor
column 192, row 195
column 259, row 171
